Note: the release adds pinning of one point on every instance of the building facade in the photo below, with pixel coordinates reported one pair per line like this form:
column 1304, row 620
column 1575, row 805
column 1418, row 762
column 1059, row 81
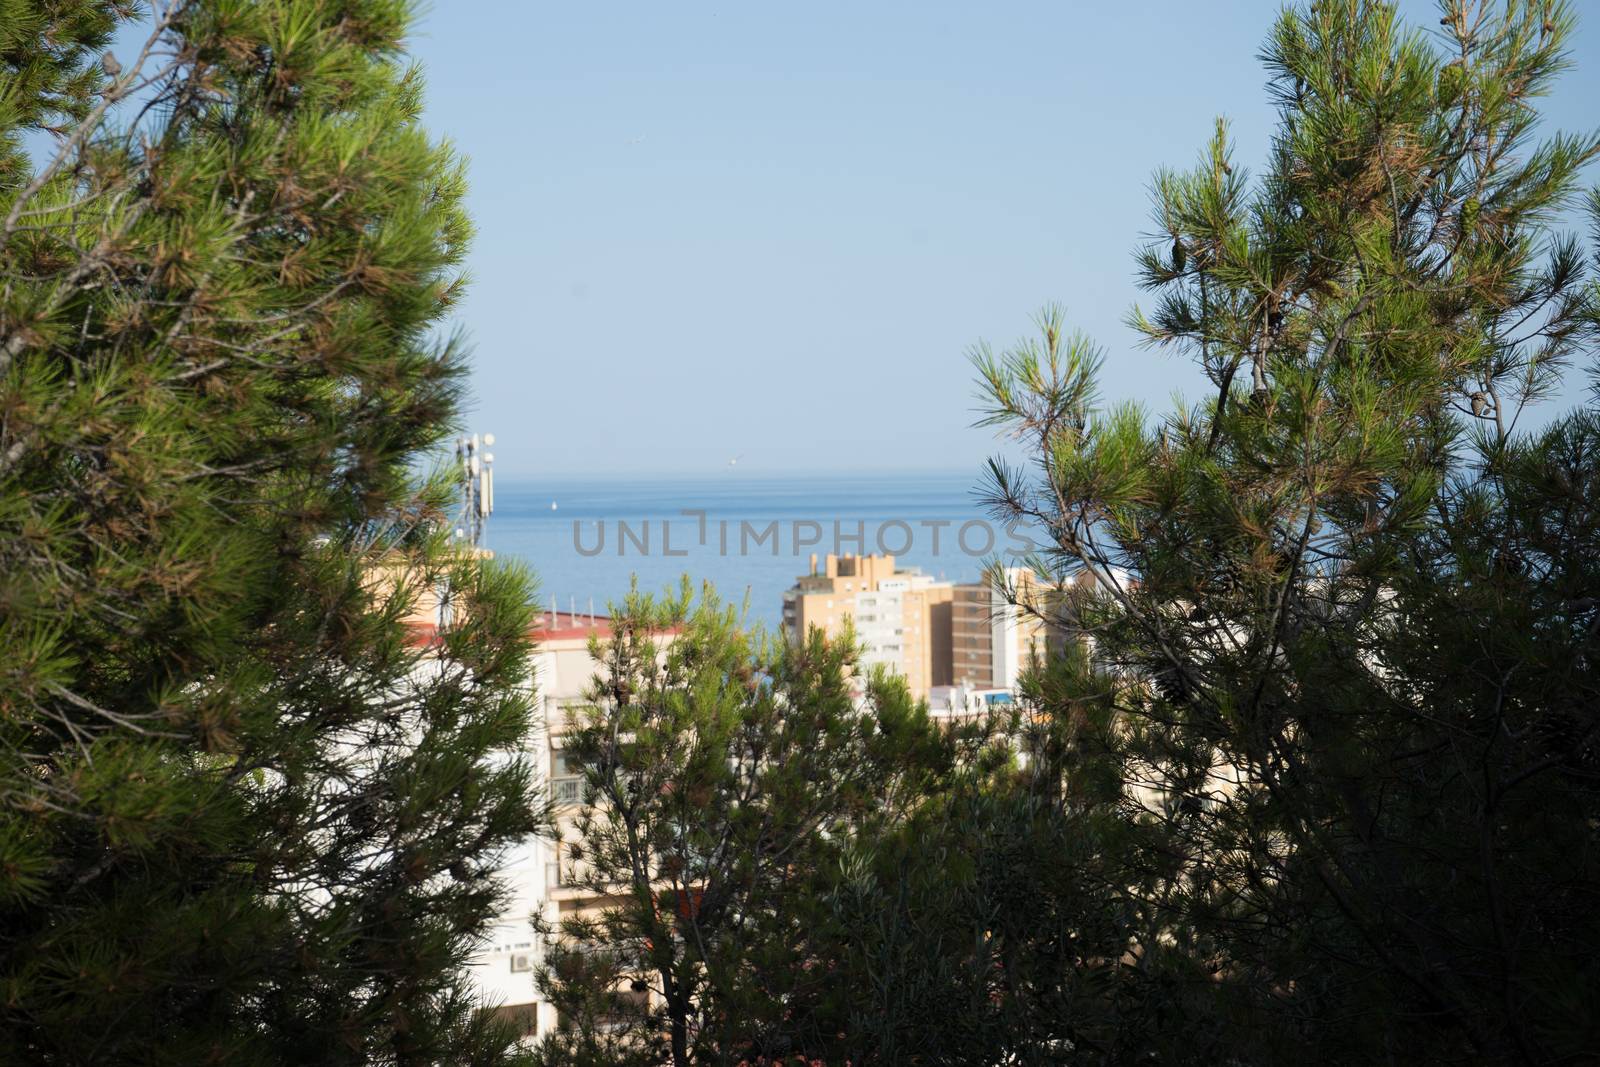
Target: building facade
column 1004, row 623
column 933, row 633
column 539, row 875
column 900, row 617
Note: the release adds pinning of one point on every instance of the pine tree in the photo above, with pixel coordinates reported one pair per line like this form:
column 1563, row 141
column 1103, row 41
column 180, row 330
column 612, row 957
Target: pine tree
column 1359, row 603
column 724, row 778
column 993, row 924
column 246, row 818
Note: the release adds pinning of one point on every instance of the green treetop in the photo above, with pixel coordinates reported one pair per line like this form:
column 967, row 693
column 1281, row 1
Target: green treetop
column 245, row 819
column 1359, row 595
column 723, row 779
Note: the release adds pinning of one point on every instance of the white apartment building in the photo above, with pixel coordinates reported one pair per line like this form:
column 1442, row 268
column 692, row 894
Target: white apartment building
column 891, row 624
column 503, row 969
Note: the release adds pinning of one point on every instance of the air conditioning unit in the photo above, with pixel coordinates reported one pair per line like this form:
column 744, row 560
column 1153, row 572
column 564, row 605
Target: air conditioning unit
column 521, row 962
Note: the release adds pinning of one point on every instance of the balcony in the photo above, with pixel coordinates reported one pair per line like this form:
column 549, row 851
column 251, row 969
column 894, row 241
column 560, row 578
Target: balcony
column 567, row 791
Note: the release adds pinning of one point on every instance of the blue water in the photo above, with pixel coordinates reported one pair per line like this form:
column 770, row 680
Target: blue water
column 581, row 551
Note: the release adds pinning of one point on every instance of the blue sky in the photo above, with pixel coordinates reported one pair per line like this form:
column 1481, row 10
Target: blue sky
column 710, row 230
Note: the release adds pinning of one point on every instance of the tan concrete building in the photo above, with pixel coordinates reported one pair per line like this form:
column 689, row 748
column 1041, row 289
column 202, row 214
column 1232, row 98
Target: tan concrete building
column 999, row 625
column 823, row 599
column 972, row 635
column 928, row 611
column 934, row 633
column 901, row 617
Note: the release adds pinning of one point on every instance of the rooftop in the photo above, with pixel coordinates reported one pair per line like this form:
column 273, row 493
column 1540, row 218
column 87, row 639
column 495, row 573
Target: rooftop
column 560, row 625
column 547, row 626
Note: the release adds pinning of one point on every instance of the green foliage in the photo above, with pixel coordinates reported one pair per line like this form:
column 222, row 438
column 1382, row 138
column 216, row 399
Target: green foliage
column 1016, row 915
column 48, row 77
column 1360, row 605
column 1316, row 781
column 723, row 777
column 246, row 817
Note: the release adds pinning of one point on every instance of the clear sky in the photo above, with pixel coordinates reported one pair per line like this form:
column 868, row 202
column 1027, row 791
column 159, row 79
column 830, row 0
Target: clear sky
column 711, row 229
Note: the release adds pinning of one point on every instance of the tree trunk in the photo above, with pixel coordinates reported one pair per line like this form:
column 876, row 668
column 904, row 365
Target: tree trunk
column 678, row 1017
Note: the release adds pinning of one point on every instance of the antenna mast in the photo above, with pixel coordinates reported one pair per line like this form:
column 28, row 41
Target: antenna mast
column 477, row 486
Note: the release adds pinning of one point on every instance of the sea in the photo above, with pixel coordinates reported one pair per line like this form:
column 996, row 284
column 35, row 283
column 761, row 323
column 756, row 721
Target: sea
column 588, row 540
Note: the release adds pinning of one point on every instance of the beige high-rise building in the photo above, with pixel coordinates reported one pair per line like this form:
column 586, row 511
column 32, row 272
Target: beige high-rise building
column 901, row 617
column 934, row 633
column 928, row 612
column 824, row 599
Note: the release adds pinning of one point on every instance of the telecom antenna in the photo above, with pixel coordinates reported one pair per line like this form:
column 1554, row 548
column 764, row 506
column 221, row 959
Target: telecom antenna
column 477, row 486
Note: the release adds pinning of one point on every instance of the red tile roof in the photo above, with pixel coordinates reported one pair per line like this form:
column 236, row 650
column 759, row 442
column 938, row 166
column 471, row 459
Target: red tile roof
column 547, row 626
